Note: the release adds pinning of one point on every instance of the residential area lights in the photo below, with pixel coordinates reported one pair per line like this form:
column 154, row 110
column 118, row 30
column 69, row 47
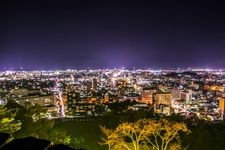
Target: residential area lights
column 192, row 93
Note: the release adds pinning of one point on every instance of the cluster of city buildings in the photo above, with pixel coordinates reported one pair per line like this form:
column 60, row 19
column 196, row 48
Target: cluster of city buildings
column 198, row 93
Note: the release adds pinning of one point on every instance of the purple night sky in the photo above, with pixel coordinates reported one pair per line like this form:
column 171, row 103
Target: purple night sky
column 62, row 35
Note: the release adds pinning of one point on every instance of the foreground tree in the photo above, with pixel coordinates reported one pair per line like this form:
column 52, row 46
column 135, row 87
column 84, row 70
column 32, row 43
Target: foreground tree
column 59, row 136
column 8, row 124
column 36, row 112
column 35, row 122
column 145, row 134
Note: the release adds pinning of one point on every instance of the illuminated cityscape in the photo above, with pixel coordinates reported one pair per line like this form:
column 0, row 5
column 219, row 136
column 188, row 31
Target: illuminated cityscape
column 112, row 75
column 189, row 93
column 91, row 95
column 195, row 95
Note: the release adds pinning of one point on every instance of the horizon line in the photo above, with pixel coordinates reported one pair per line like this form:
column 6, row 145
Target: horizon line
column 119, row 68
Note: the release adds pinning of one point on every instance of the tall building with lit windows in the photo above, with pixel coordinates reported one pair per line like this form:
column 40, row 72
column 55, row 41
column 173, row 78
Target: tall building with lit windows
column 162, row 102
column 222, row 106
column 146, row 96
column 186, row 95
column 72, row 99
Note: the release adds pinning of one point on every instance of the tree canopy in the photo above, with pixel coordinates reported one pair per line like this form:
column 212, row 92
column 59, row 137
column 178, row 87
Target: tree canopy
column 145, row 134
column 8, row 124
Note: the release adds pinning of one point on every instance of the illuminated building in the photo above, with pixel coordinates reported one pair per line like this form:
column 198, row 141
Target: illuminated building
column 222, row 106
column 162, row 101
column 186, row 95
column 163, row 98
column 121, row 83
column 19, row 92
column 175, row 93
column 214, row 88
column 72, row 98
column 78, row 105
column 84, row 108
column 39, row 100
column 146, row 96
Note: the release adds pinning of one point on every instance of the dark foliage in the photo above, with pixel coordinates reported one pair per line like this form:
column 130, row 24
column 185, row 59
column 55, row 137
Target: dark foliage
column 26, row 143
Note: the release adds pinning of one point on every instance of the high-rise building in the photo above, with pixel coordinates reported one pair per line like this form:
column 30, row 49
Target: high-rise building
column 187, row 96
column 222, row 106
column 162, row 101
column 72, row 99
column 146, row 96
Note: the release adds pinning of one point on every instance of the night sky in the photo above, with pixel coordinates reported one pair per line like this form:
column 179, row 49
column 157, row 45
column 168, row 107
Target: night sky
column 62, row 35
